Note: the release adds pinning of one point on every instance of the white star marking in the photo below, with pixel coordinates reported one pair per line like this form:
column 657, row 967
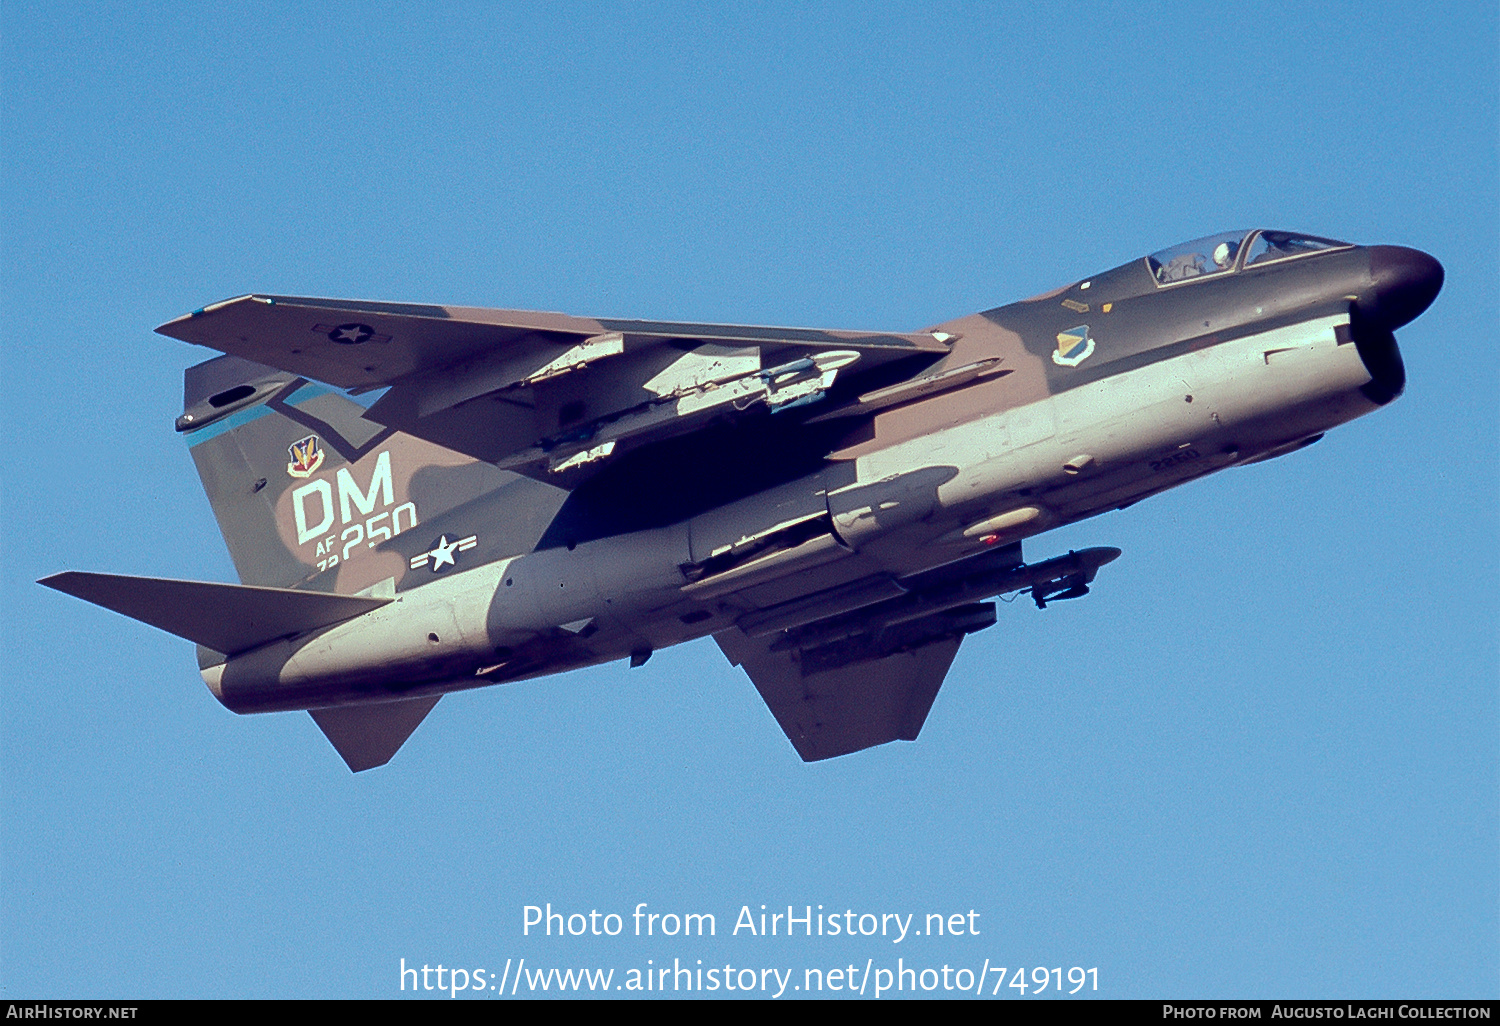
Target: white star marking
column 444, row 553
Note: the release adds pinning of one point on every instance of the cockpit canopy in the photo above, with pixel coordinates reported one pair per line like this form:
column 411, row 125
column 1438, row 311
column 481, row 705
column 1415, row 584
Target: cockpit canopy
column 1230, row 251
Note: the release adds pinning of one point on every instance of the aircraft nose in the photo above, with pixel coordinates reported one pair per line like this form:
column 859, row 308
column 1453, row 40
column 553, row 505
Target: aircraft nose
column 1404, row 282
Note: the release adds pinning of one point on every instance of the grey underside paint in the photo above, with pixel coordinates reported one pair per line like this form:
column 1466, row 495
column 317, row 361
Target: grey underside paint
column 368, row 735
column 844, row 709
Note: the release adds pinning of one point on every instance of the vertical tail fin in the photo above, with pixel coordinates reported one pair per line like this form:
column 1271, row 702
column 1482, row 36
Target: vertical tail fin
column 306, row 489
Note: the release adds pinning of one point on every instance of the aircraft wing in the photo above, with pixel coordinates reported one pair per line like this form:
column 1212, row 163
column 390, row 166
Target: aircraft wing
column 859, row 691
column 542, row 393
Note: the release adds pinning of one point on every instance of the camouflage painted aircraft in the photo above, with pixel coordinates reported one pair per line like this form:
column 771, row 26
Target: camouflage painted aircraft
column 535, row 492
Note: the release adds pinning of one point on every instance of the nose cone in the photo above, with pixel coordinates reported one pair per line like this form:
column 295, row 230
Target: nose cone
column 1404, row 282
column 1097, row 557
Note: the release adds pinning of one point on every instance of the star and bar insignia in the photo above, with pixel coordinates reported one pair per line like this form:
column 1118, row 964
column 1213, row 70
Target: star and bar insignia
column 352, row 334
column 443, row 552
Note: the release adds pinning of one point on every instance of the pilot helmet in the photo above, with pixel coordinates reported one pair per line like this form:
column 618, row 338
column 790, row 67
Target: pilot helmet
column 1223, row 254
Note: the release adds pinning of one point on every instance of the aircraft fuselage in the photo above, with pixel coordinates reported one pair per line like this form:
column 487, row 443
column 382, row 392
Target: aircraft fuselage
column 1079, row 402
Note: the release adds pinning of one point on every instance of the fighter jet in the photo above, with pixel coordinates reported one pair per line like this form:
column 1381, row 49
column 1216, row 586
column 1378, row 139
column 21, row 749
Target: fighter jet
column 499, row 495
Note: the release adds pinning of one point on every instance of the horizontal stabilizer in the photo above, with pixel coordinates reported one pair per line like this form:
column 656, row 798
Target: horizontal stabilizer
column 227, row 618
column 368, row 735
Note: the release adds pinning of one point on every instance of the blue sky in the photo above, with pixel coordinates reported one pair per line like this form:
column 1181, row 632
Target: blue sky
column 1260, row 760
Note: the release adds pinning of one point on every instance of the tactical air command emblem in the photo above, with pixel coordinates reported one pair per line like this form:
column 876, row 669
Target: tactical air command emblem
column 307, row 457
column 1073, row 346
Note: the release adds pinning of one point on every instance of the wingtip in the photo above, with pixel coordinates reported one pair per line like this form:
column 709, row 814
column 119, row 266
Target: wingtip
column 162, row 329
column 57, row 581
